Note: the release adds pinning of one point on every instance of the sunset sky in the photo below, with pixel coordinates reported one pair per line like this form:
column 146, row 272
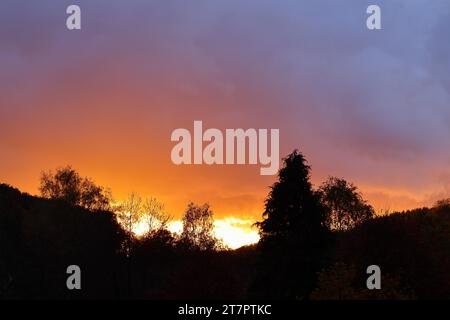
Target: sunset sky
column 370, row 106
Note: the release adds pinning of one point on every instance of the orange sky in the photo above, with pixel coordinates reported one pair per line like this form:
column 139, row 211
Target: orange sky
column 371, row 108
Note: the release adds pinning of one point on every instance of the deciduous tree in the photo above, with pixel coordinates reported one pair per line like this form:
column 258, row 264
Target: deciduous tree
column 345, row 205
column 66, row 184
column 198, row 228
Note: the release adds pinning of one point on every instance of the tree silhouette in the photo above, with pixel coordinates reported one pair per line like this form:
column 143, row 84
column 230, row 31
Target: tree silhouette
column 129, row 213
column 346, row 207
column 293, row 233
column 443, row 204
column 40, row 238
column 198, row 227
column 67, row 185
column 298, row 256
column 154, row 216
column 293, row 211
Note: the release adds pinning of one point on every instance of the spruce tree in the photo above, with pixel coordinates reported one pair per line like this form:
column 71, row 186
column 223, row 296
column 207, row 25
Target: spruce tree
column 293, row 233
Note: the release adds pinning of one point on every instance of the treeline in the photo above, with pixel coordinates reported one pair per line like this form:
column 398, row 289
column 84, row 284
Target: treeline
column 40, row 238
column 315, row 244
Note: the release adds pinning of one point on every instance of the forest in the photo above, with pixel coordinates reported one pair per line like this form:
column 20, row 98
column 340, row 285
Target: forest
column 315, row 244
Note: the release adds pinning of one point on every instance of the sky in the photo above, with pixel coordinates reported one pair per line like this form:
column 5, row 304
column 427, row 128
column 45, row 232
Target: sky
column 372, row 107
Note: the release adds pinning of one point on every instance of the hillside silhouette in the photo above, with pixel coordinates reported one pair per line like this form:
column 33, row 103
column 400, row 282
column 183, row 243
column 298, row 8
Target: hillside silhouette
column 315, row 244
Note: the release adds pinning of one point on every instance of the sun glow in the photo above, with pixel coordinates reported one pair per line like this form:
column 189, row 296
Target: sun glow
column 234, row 232
column 140, row 228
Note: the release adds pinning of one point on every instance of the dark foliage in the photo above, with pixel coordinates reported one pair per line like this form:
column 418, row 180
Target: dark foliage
column 40, row 238
column 298, row 256
column 294, row 238
column 413, row 247
column 344, row 205
column 198, row 229
column 66, row 184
